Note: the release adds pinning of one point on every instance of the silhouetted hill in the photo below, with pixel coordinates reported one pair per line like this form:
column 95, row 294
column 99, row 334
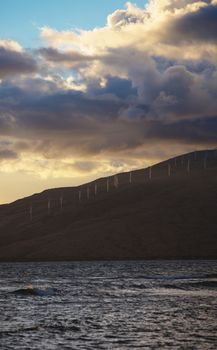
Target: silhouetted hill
column 168, row 211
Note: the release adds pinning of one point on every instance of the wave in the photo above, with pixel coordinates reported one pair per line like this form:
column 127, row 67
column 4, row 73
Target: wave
column 63, row 328
column 31, row 291
column 186, row 286
column 211, row 275
column 19, row 330
column 201, row 284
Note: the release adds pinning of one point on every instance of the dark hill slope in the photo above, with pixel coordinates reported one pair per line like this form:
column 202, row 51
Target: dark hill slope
column 154, row 216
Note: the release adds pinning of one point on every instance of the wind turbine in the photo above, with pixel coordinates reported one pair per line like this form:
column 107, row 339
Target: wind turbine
column 130, row 179
column 150, row 173
column 116, row 182
column 107, row 185
column 195, row 155
column 48, row 206
column 188, row 165
column 61, row 202
column 95, row 189
column 31, row 212
column 169, row 169
column 79, row 196
column 205, row 161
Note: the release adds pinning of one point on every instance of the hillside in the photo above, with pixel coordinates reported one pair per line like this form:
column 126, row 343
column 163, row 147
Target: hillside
column 167, row 211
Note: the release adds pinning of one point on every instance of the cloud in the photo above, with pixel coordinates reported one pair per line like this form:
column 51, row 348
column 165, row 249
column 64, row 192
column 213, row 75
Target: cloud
column 142, row 87
column 115, row 87
column 6, row 154
column 200, row 25
column 14, row 61
column 131, row 15
column 52, row 35
column 69, row 58
column 84, row 166
column 11, row 45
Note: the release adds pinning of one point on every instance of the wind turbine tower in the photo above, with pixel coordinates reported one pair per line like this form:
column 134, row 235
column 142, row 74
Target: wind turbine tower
column 116, row 182
column 61, row 202
column 205, row 161
column 48, row 206
column 169, row 169
column 130, row 179
column 31, row 212
column 107, row 185
column 95, row 189
column 188, row 166
column 150, row 173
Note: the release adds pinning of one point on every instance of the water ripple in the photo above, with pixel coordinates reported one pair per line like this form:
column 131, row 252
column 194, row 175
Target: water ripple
column 105, row 305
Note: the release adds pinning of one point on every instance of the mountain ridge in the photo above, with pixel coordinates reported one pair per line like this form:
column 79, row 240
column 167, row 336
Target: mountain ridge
column 166, row 211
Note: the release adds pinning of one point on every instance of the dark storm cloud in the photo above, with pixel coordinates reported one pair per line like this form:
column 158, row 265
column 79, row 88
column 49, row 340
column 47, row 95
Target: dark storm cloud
column 198, row 131
column 7, row 154
column 70, row 58
column 65, row 110
column 13, row 62
column 119, row 87
column 60, row 111
column 130, row 97
column 200, row 25
column 69, row 123
column 159, row 101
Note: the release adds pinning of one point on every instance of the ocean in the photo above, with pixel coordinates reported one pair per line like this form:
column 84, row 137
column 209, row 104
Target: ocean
column 108, row 305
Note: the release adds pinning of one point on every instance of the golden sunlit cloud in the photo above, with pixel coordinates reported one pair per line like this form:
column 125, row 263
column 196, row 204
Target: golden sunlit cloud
column 90, row 103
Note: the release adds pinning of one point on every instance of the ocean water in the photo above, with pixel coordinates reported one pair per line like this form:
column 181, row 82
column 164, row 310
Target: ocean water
column 109, row 305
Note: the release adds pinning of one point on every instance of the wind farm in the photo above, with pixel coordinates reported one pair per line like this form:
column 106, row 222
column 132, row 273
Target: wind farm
column 166, row 211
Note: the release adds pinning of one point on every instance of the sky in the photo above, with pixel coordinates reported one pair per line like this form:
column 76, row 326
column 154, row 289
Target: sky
column 93, row 88
column 28, row 16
